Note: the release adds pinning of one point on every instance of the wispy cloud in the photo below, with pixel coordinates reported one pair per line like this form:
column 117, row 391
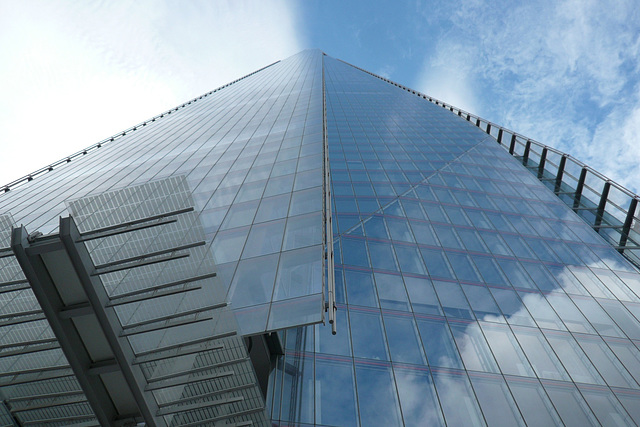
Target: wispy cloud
column 74, row 73
column 564, row 73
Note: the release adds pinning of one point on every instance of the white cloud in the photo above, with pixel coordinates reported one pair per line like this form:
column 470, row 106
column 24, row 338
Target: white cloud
column 447, row 76
column 75, row 73
column 563, row 73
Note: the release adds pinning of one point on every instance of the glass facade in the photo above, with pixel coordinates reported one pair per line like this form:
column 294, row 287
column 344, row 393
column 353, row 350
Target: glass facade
column 467, row 292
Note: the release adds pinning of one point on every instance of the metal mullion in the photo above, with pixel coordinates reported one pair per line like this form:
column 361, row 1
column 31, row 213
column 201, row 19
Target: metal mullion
column 199, row 405
column 224, row 417
column 196, row 370
column 49, row 395
column 115, row 298
column 116, row 231
column 150, row 328
column 181, row 381
column 70, row 400
column 143, row 356
column 35, row 348
column 122, row 227
column 174, row 316
column 149, row 255
column 157, row 293
column 205, row 395
column 141, row 263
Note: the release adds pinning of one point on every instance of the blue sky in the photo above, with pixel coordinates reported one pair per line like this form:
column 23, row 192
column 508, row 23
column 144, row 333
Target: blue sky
column 566, row 73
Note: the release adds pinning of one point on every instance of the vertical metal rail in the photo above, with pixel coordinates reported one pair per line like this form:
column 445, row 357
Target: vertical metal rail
column 331, row 284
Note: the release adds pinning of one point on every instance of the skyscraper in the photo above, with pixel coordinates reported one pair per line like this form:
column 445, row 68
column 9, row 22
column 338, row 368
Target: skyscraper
column 462, row 288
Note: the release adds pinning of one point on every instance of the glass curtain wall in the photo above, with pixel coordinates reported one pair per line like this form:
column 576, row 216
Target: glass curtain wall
column 468, row 293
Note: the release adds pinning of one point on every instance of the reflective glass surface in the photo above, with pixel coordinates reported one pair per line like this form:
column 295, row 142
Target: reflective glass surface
column 459, row 275
column 472, row 294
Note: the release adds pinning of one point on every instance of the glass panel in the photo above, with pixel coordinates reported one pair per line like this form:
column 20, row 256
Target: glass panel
column 573, row 358
column 335, row 392
column 457, row 399
column 540, row 355
column 438, row 343
column 367, row 336
column 605, row 406
column 264, row 239
column 423, row 297
column 535, row 406
column 402, row 336
column 297, row 389
column 377, row 396
column 482, row 303
column 299, row 273
column 303, row 230
column 473, row 347
column 496, row 402
column 605, row 361
column 452, row 299
column 506, row 350
column 391, row 292
column 570, row 404
column 417, row 397
column 360, row 288
column 253, row 281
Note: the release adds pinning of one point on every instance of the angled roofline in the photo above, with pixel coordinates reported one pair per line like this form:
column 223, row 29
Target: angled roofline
column 551, row 167
column 30, row 177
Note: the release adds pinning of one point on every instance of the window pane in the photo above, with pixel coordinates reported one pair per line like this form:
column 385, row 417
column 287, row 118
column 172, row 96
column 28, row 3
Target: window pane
column 367, row 336
column 418, row 398
column 496, row 402
column 438, row 343
column 457, row 399
column 335, row 392
column 377, row 397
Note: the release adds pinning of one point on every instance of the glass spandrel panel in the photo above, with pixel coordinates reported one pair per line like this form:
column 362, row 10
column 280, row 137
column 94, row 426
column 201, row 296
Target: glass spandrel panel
column 335, row 392
column 497, row 405
column 510, row 357
column 541, row 356
column 605, row 406
column 606, row 362
column 571, row 406
column 473, row 347
column 367, row 334
column 403, row 339
column 360, row 288
column 573, row 358
column 438, row 343
column 533, row 402
column 422, row 296
column 377, row 395
column 418, row 399
column 482, row 303
column 457, row 399
column 391, row 292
